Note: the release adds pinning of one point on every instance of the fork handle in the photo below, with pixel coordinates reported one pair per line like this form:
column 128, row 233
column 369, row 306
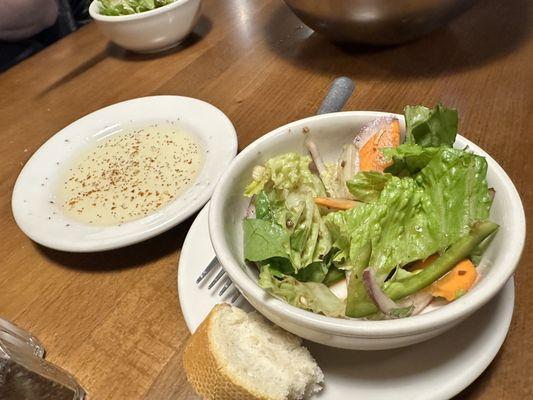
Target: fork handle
column 339, row 92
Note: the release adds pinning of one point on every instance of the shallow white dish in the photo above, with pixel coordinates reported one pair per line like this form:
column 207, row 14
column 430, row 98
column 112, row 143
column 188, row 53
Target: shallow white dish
column 35, row 192
column 150, row 31
column 330, row 132
column 434, row 370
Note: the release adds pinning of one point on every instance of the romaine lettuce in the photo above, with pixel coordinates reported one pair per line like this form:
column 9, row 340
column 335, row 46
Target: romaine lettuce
column 431, row 127
column 394, row 226
column 289, row 238
column 408, row 159
column 415, row 217
column 126, row 7
column 264, row 240
column 456, row 193
column 312, row 296
column 284, row 189
column 288, row 172
column 366, row 186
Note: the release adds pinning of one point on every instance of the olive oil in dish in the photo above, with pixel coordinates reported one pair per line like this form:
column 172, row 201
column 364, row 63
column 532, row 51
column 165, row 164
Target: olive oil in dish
column 130, row 175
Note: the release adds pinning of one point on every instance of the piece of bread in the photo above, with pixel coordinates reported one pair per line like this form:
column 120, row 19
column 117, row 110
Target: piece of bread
column 234, row 355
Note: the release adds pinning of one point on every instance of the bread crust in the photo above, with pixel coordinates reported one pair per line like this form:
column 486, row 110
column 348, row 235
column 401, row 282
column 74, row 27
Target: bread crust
column 205, row 372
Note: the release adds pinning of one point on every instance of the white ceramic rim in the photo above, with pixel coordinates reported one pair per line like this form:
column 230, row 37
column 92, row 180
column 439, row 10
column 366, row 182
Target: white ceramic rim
column 346, row 327
column 114, row 236
column 94, row 7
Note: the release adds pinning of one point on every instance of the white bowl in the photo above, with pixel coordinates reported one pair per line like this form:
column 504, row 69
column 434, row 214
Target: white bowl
column 35, row 202
column 330, row 131
column 150, row 31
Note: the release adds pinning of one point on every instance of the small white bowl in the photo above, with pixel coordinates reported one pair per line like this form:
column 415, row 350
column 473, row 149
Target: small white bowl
column 35, row 200
column 330, row 132
column 150, row 31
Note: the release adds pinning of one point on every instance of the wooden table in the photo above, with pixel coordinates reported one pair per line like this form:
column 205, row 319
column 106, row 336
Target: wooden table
column 113, row 319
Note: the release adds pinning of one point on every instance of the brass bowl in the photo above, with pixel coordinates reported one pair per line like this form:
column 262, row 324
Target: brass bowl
column 378, row 22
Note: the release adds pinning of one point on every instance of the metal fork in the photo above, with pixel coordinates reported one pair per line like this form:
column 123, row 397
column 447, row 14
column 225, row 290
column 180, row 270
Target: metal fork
column 337, row 96
column 209, row 270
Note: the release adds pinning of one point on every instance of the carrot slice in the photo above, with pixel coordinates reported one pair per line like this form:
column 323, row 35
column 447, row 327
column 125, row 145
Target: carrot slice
column 337, row 204
column 370, row 157
column 455, row 283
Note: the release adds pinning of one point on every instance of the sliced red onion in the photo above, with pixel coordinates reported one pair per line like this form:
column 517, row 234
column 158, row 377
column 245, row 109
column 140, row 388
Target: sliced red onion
column 409, row 306
column 370, row 129
column 384, row 303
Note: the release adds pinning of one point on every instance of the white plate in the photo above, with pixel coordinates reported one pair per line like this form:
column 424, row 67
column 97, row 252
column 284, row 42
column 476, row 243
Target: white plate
column 436, row 369
column 34, row 195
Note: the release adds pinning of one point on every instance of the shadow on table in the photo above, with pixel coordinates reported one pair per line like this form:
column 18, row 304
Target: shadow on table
column 132, row 256
column 488, row 31
column 202, row 28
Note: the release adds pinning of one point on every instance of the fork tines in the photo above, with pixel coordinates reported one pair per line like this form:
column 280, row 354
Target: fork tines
column 227, row 282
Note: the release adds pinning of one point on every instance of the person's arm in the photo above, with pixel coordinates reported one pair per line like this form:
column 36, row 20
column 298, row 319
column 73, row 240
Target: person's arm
column 21, row 19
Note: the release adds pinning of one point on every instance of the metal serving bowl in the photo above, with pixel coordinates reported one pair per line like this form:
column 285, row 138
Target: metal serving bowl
column 376, row 21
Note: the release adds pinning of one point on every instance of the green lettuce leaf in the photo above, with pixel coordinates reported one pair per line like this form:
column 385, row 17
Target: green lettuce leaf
column 260, row 177
column 278, row 266
column 456, row 194
column 264, row 240
column 394, row 226
column 366, row 186
column 408, row 159
column 126, row 7
column 312, row 296
column 284, row 188
column 314, row 272
column 287, row 172
column 334, row 275
column 431, row 127
column 414, row 217
column 263, row 207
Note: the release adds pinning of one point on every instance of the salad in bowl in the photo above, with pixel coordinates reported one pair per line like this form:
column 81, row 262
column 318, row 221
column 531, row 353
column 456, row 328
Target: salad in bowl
column 399, row 222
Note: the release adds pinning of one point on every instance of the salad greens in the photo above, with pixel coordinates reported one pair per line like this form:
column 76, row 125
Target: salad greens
column 431, row 127
column 432, row 200
column 126, row 7
column 308, row 295
column 288, row 223
column 408, row 159
column 366, row 186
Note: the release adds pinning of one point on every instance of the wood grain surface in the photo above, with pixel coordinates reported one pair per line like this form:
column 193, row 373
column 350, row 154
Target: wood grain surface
column 113, row 319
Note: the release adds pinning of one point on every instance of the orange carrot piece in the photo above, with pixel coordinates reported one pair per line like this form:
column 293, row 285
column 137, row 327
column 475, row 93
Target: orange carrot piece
column 456, row 282
column 370, row 156
column 337, row 204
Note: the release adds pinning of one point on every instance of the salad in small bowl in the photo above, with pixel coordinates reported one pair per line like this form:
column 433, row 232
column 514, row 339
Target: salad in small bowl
column 146, row 26
column 367, row 230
